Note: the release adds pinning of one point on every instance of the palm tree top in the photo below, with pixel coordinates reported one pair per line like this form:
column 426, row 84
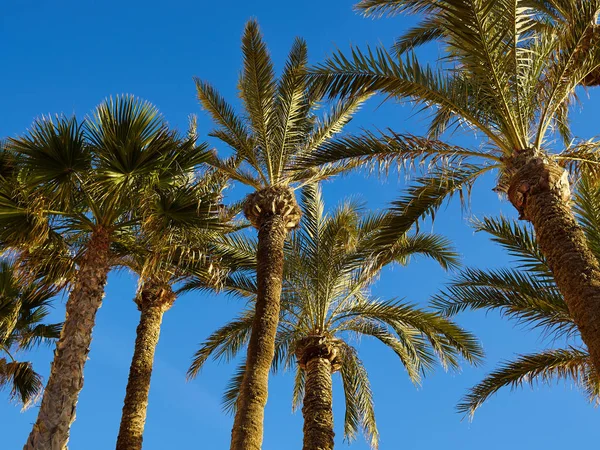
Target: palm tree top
column 502, row 74
column 279, row 123
column 331, row 263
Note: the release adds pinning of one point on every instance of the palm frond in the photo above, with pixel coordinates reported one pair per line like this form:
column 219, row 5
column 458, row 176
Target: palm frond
column 545, row 367
column 24, row 384
column 224, row 343
column 360, row 414
column 516, row 294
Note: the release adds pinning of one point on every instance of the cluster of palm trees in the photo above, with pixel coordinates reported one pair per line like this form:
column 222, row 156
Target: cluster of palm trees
column 121, row 189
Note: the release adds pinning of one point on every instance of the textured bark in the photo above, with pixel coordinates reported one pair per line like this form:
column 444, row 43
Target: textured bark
column 317, row 407
column 540, row 191
column 273, row 212
column 57, row 411
column 319, row 357
column 153, row 302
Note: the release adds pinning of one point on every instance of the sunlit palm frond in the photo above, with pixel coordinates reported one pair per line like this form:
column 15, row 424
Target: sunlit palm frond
column 423, row 198
column 545, row 367
column 587, row 208
column 360, row 414
column 25, row 385
column 230, row 396
column 381, row 149
column 519, row 241
column 224, row 343
column 516, row 294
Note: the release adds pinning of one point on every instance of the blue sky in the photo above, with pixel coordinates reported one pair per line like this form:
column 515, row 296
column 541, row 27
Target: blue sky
column 66, row 56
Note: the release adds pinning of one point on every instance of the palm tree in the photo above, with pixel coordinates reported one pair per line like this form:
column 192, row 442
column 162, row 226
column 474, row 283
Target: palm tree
column 330, row 266
column 528, row 293
column 81, row 185
column 179, row 225
column 512, row 82
column 279, row 126
column 23, row 307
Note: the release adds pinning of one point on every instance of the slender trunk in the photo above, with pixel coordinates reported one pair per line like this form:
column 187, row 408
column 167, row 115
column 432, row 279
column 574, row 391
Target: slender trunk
column 540, row 191
column 57, row 411
column 317, row 407
column 273, row 211
column 152, row 304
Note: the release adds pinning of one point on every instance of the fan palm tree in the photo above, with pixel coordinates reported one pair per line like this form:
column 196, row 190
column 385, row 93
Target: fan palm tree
column 528, row 294
column 329, row 267
column 82, row 184
column 513, row 83
column 175, row 237
column 278, row 126
column 23, row 308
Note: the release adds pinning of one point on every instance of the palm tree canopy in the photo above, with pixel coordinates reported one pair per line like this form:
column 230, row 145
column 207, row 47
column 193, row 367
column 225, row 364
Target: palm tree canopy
column 529, row 295
column 279, row 123
column 80, row 176
column 331, row 263
column 23, row 308
column 501, row 74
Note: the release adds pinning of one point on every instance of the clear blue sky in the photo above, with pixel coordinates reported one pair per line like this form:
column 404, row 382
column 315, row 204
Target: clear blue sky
column 67, row 55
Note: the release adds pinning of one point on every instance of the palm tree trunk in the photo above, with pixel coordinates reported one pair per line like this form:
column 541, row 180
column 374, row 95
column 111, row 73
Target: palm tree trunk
column 540, row 191
column 273, row 211
column 153, row 304
column 57, row 411
column 317, row 408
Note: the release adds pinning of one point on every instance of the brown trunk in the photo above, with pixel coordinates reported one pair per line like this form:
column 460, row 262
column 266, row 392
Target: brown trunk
column 317, row 407
column 152, row 302
column 273, row 211
column 57, row 411
column 540, row 191
column 318, row 357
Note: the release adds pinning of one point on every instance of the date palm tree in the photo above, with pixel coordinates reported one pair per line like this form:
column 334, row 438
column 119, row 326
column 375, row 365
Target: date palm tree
column 512, row 83
column 24, row 305
column 278, row 126
column 81, row 184
column 330, row 267
column 528, row 294
column 175, row 236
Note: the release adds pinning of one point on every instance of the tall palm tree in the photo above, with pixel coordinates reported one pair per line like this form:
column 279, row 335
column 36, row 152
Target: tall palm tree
column 513, row 83
column 174, row 239
column 330, row 265
column 23, row 307
column 528, row 293
column 278, row 126
column 82, row 184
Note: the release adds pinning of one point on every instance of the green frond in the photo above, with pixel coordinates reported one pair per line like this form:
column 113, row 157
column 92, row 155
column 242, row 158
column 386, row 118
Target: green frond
column 544, row 367
column 224, row 115
column 447, row 339
column 25, row 385
column 517, row 294
column 232, row 389
column 425, row 196
column 587, row 209
column 360, row 413
column 257, row 90
column 376, row 71
column 382, row 149
column 332, row 123
column 426, row 31
column 224, row 343
column 298, row 391
column 582, row 159
column 403, row 348
column 519, row 241
column 432, row 246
